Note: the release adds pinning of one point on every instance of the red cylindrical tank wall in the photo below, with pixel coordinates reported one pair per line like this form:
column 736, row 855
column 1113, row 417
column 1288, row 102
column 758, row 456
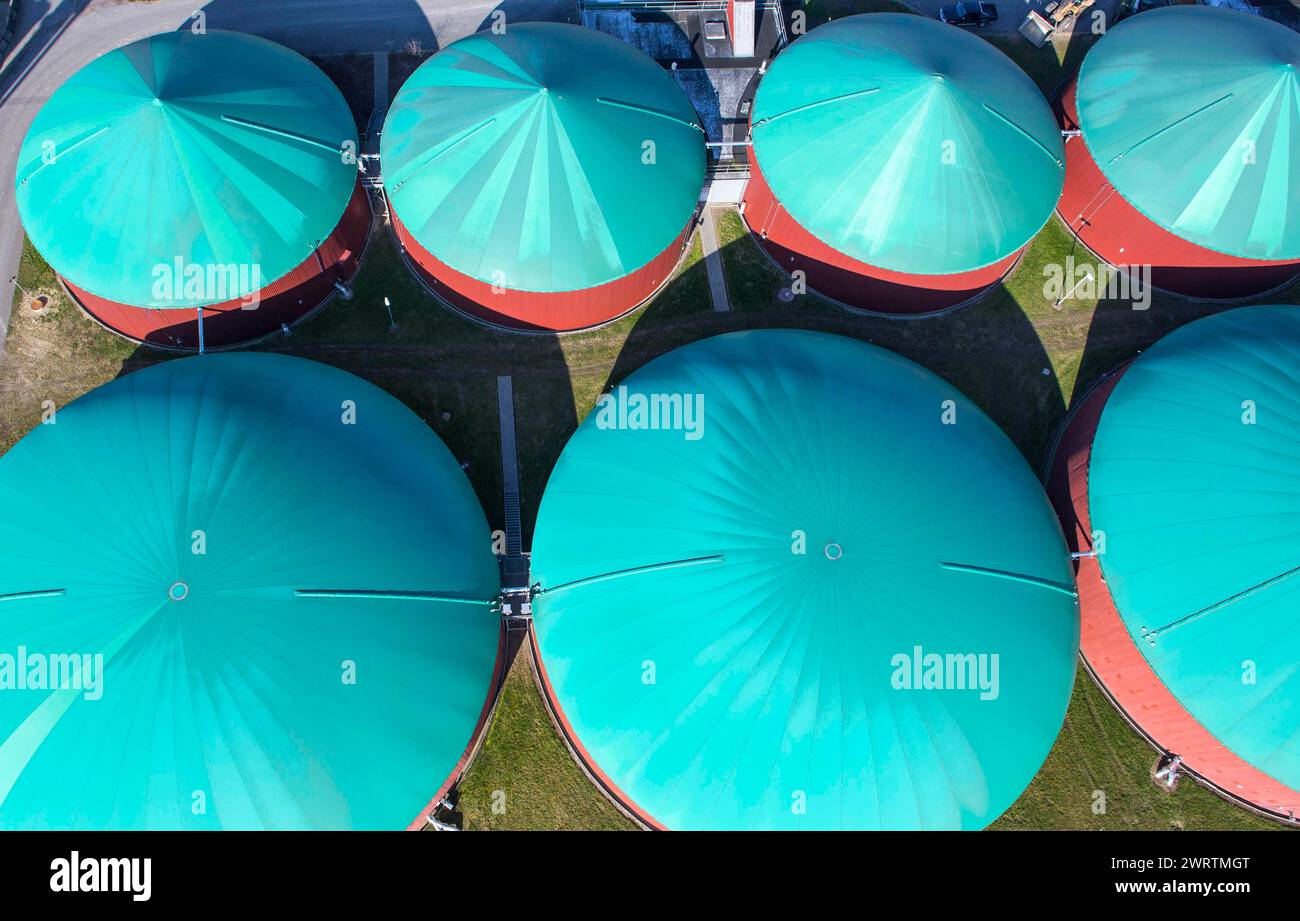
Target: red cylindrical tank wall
column 420, row 822
column 847, row 280
column 584, row 757
column 1108, row 648
column 554, row 311
column 1121, row 235
column 284, row 301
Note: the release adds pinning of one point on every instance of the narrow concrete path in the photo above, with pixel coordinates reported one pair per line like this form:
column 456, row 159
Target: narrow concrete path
column 381, row 82
column 509, row 465
column 509, row 456
column 713, row 262
column 381, row 101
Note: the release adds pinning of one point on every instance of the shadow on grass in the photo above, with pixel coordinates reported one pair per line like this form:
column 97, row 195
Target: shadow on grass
column 438, row 361
column 442, row 366
column 990, row 350
column 1119, row 331
column 445, row 367
column 401, row 64
column 1052, row 65
column 354, row 75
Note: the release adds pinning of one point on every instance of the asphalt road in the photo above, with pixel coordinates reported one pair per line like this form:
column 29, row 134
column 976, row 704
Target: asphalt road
column 55, row 38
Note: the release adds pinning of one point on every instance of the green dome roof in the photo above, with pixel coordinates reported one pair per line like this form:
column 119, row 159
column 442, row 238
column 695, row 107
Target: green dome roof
column 520, row 159
column 1198, row 506
column 215, row 150
column 1193, row 114
column 330, row 549
column 908, row 144
column 722, row 680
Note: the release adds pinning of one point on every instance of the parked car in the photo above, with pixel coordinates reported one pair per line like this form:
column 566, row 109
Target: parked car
column 975, row 13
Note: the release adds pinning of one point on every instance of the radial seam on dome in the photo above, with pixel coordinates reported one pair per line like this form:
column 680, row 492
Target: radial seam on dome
column 120, row 267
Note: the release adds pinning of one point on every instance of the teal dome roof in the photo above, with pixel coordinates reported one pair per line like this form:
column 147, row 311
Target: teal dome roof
column 1193, row 114
column 1198, row 505
column 212, row 150
column 908, row 144
column 722, row 680
column 522, row 159
column 321, row 664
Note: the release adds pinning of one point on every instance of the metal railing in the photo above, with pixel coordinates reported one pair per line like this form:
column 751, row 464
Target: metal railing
column 689, row 6
column 654, row 6
column 728, row 169
column 775, row 6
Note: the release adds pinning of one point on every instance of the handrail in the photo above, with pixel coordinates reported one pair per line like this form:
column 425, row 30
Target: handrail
column 775, row 6
column 655, row 6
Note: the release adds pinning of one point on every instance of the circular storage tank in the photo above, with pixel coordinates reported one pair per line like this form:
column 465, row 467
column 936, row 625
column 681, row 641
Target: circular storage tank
column 546, row 178
column 900, row 163
column 738, row 614
column 1182, row 473
column 185, row 171
column 291, row 587
column 1189, row 157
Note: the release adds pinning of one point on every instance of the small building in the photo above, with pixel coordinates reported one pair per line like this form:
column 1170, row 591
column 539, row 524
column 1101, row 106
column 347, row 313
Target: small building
column 240, row 591
column 714, row 50
column 545, row 178
column 1177, row 479
column 186, row 175
column 776, row 590
column 900, row 164
column 1187, row 158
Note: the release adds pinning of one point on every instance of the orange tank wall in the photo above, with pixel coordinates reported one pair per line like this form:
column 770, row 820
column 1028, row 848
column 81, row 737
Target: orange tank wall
column 1121, row 235
column 850, row 281
column 287, row 300
column 555, row 311
column 1109, row 649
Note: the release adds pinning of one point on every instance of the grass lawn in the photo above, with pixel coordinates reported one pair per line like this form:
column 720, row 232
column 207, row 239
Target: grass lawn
column 1097, row 753
column 501, row 792
column 1014, row 353
column 438, row 362
column 55, row 356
